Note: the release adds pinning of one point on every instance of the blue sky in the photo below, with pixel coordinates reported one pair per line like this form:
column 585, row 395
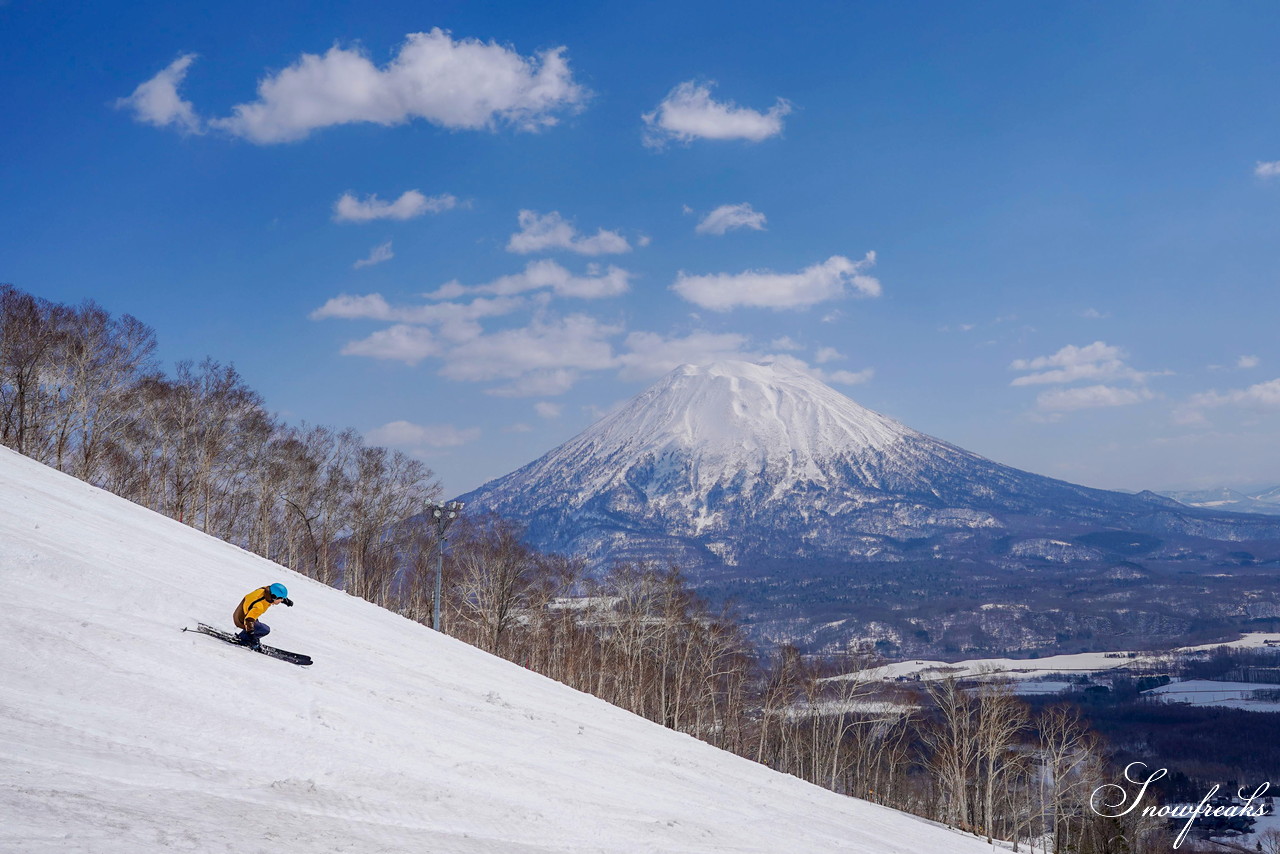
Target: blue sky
column 1046, row 233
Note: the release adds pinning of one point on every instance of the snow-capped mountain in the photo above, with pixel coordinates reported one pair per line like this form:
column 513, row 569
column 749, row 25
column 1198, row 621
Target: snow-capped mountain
column 729, row 462
column 119, row 733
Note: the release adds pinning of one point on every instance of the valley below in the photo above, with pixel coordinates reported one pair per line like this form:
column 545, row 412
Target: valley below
column 958, row 607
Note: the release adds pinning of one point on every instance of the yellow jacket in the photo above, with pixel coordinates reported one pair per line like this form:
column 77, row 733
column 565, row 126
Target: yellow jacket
column 253, row 606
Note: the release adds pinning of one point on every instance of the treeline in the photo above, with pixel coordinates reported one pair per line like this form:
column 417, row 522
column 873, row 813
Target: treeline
column 636, row 635
column 973, row 756
column 970, row 755
column 81, row 391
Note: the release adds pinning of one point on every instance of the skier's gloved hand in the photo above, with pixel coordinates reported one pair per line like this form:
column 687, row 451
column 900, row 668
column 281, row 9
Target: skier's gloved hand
column 287, row 602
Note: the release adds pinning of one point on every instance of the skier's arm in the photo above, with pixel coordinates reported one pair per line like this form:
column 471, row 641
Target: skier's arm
column 256, row 610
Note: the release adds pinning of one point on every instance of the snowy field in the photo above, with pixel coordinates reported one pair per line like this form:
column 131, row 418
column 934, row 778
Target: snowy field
column 1028, row 689
column 1202, row 692
column 1010, row 668
column 1037, row 668
column 119, row 734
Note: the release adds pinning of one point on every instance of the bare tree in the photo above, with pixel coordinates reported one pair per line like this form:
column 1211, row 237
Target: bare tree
column 1002, row 719
column 31, row 333
column 952, row 738
column 1269, row 841
column 1067, row 751
column 103, row 359
column 497, row 577
column 386, row 487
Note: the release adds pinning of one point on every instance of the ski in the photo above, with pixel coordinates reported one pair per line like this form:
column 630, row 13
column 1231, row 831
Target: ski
column 269, row 651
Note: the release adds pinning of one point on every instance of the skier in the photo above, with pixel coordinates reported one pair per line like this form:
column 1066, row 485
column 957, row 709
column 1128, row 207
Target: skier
column 253, row 606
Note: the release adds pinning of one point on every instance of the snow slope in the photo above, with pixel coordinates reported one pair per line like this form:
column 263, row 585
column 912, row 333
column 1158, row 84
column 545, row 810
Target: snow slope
column 118, row 733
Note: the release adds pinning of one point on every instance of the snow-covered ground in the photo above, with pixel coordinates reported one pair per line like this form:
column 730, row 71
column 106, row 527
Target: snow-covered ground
column 119, row 733
column 1249, row 639
column 1202, row 692
column 1036, row 668
column 1029, row 688
column 1010, row 668
column 1260, row 827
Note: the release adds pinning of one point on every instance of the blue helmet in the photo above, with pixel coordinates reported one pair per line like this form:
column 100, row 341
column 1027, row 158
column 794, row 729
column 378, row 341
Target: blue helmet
column 278, row 590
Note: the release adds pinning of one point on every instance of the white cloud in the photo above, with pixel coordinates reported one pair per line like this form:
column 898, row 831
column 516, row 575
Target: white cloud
column 546, row 273
column 767, row 289
column 541, row 383
column 1267, row 170
column 518, row 427
column 419, row 438
column 689, row 112
column 449, row 290
column 348, row 307
column 410, row 204
column 728, row 217
column 847, row 377
column 156, row 102
column 1089, row 397
column 463, row 84
column 381, row 252
column 1097, row 361
column 1094, row 314
column 574, row 342
column 401, row 343
column 648, row 354
column 450, row 316
column 1248, row 362
column 539, row 232
column 546, row 357
column 827, row 354
column 549, row 355
column 547, row 410
column 454, row 321
column 829, row 377
column 1259, row 396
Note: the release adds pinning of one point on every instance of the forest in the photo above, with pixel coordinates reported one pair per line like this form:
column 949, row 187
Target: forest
column 82, row 391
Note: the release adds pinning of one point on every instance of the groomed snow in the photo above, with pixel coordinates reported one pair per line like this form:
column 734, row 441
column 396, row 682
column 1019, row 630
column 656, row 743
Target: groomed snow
column 119, row 733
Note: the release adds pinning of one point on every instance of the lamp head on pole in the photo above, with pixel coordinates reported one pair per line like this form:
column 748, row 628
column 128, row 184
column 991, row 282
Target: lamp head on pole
column 443, row 514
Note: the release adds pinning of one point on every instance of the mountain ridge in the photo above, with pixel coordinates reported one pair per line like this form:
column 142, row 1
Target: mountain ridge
column 754, row 477
column 724, row 446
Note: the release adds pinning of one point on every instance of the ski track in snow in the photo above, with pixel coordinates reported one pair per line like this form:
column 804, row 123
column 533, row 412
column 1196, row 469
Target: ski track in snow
column 120, row 733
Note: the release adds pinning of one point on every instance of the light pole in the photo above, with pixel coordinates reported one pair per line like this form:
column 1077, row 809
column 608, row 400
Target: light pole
column 442, row 514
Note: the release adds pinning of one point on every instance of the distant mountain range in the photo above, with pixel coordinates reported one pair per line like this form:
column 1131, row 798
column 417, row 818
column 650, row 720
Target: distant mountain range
column 1265, row 500
column 826, row 521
